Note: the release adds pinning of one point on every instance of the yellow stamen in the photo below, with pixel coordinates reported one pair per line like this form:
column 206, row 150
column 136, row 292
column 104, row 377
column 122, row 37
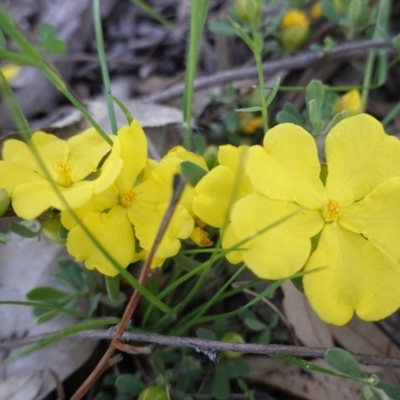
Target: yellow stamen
column 127, row 197
column 64, row 173
column 331, row 210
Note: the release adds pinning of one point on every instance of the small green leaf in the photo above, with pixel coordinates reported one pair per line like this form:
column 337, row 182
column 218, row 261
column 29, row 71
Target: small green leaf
column 3, row 40
column 112, row 284
column 242, row 34
column 343, row 361
column 220, row 327
column 220, row 385
column 248, row 109
column 391, row 390
column 237, row 367
column 273, row 93
column 47, row 316
column 56, row 47
column 255, row 324
column 21, row 229
column 265, row 336
column 203, row 333
column 129, row 384
column 192, row 172
column 45, row 293
column 93, row 303
column 71, row 273
column 4, row 239
column 380, row 394
column 46, row 32
column 330, row 12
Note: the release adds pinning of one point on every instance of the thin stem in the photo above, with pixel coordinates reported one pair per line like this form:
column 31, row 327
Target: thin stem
column 103, row 64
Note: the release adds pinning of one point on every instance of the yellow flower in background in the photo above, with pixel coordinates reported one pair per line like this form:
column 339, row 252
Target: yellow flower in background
column 68, row 162
column 10, row 71
column 355, row 267
column 249, row 123
column 350, row 102
column 316, row 10
column 294, row 29
column 133, row 207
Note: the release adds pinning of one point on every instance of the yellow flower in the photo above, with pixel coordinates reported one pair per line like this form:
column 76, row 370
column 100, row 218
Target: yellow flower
column 10, row 71
column 133, row 207
column 295, row 27
column 350, row 102
column 217, row 190
column 249, row 123
column 355, row 267
column 68, row 162
column 316, row 10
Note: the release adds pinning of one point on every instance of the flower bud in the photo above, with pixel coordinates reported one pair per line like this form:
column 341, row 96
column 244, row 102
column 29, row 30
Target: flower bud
column 294, row 29
column 51, row 229
column 154, row 393
column 245, row 9
column 4, row 201
column 232, row 337
column 350, row 102
column 250, row 123
column 316, row 10
column 211, row 156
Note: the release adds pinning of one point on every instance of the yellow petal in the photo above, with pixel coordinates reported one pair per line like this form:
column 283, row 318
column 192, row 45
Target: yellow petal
column 200, row 237
column 147, row 220
column 232, row 157
column 110, row 170
column 32, row 199
column 114, row 232
column 377, row 216
column 18, row 151
column 86, row 151
column 355, row 276
column 13, row 174
column 134, row 154
column 282, row 250
column 98, row 203
column 287, row 168
column 214, row 196
column 360, row 156
column 229, row 239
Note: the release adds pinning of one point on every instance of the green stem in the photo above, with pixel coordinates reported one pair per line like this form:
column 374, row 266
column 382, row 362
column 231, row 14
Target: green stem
column 103, row 64
column 197, row 21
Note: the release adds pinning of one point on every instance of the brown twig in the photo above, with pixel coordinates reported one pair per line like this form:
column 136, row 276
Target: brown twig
column 304, row 60
column 104, row 363
column 211, row 346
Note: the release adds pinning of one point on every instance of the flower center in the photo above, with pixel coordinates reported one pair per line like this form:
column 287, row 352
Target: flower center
column 127, row 197
column 331, row 210
column 64, row 174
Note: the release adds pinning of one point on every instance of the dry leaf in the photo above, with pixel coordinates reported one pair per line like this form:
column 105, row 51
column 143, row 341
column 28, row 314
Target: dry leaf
column 25, row 264
column 22, row 386
column 307, row 326
column 308, row 385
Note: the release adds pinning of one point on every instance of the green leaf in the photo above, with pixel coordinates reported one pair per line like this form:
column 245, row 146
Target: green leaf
column 192, row 172
column 380, row 394
column 273, row 93
column 203, row 333
column 112, row 284
column 220, row 327
column 46, row 32
column 21, row 229
column 255, row 324
column 289, row 114
column 248, row 109
column 329, row 11
column 48, row 37
column 93, row 303
column 391, row 390
column 200, row 143
column 56, row 47
column 221, row 28
column 47, row 316
column 3, row 41
column 129, row 384
column 343, row 361
column 237, row 367
column 243, row 34
column 72, row 274
column 45, row 293
column 4, row 239
column 265, row 336
column 220, row 385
